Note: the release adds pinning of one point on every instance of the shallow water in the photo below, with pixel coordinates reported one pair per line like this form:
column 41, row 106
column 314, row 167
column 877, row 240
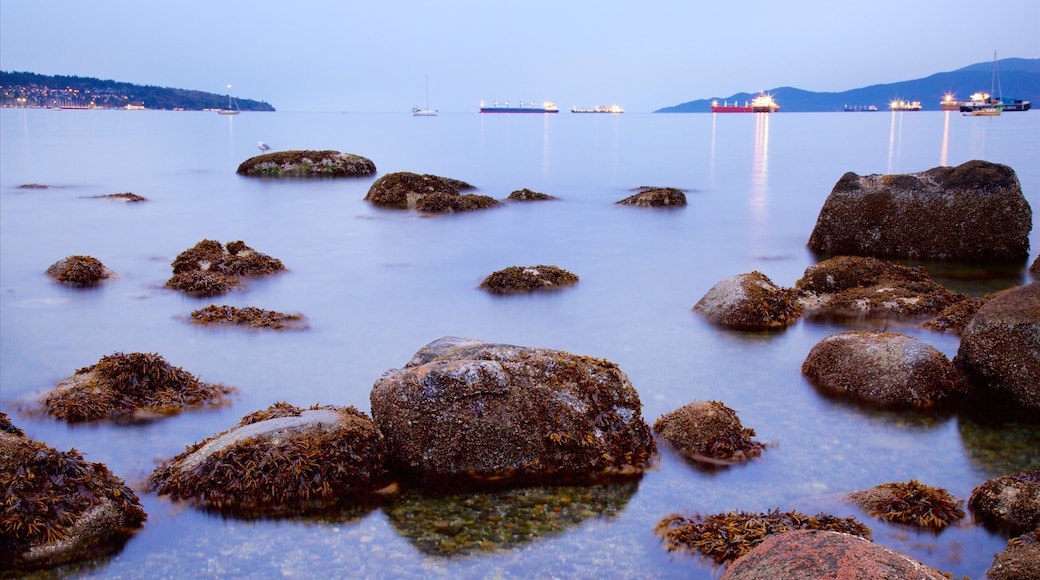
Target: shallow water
column 376, row 285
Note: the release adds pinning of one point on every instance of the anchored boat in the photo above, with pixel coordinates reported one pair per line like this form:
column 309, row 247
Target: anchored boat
column 547, row 107
column 763, row 103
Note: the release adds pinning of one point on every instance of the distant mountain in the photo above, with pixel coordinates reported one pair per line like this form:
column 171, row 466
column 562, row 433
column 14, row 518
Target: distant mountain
column 1019, row 78
column 26, row 89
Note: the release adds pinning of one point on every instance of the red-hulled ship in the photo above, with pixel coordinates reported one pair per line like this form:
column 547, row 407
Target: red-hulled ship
column 761, row 104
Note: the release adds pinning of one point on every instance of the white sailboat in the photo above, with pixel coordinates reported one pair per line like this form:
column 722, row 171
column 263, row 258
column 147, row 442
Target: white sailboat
column 427, row 112
column 229, row 110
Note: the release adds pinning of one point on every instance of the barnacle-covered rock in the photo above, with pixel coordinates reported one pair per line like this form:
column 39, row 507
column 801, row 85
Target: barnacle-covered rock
column 826, row 554
column 883, row 368
column 283, row 460
column 1020, row 559
column 79, row 271
column 975, row 211
column 1000, row 348
column 57, row 507
column 656, row 197
column 1010, row 502
column 911, row 503
column 404, row 189
column 463, row 407
column 130, row 386
column 725, row 537
column 528, row 278
column 750, row 302
column 306, row 163
column 442, row 202
column 210, row 269
column 528, row 195
column 955, row 318
column 709, row 432
column 249, row 316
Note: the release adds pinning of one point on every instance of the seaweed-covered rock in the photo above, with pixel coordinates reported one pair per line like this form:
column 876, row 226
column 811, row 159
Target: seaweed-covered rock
column 280, row 461
column 725, row 537
column 750, row 302
column 528, row 278
column 1000, row 348
column 250, row 316
column 656, row 197
column 126, row 387
column 79, row 271
column 57, row 507
column 855, row 286
column 883, row 368
column 404, row 189
column 1020, row 560
column 528, row 195
column 708, row 431
column 442, row 202
column 463, row 407
column 911, row 503
column 826, row 554
column 975, row 211
column 305, row 163
column 1009, row 502
column 210, row 269
column 126, row 197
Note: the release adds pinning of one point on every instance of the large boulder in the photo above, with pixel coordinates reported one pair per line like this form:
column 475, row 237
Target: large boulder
column 825, row 554
column 709, row 432
column 656, row 197
column 404, row 189
column 305, row 163
column 282, row 460
column 466, row 407
column 881, row 368
column 749, row 302
column 975, row 211
column 57, row 507
column 1009, row 502
column 1000, row 349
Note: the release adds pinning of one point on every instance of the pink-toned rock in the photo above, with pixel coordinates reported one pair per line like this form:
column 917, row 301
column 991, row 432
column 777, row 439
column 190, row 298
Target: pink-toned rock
column 818, row 554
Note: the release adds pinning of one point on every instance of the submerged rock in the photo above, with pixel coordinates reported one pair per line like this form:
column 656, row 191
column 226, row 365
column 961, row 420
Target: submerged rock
column 59, row 508
column 210, row 269
column 528, row 278
column 305, row 163
column 440, row 202
column 750, row 302
column 708, row 431
column 464, row 407
column 826, row 554
column 656, row 197
column 911, row 503
column 528, row 195
column 79, row 271
column 1000, row 348
column 283, row 460
column 883, row 368
column 124, row 197
column 404, row 189
column 250, row 316
column 975, row 211
column 1008, row 503
column 126, row 387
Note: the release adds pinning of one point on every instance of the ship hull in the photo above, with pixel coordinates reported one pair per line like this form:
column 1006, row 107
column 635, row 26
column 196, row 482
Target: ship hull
column 729, row 109
column 516, row 110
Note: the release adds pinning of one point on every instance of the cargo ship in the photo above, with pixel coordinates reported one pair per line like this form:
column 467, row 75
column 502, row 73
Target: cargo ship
column 761, row 104
column 547, row 107
column 599, row 109
column 948, row 103
column 901, row 105
column 982, row 100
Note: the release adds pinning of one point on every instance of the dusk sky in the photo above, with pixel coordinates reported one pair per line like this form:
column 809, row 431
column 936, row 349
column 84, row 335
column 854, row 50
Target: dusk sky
column 374, row 56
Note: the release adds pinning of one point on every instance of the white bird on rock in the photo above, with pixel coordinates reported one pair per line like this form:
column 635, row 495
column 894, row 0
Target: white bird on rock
column 263, row 147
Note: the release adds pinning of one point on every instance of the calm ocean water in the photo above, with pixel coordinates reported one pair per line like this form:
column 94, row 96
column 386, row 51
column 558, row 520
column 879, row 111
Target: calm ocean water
column 376, row 285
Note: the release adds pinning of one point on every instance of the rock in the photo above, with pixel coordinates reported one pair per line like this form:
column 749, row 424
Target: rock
column 1000, row 348
column 128, row 387
column 304, row 163
column 884, row 368
column 656, row 197
column 911, row 503
column 528, row 195
column 1035, row 268
column 58, row 507
column 79, row 271
column 856, row 287
column 975, row 211
column 466, row 407
column 441, row 202
column 404, row 190
column 283, row 460
column 210, row 269
column 528, row 278
column 955, row 318
column 825, row 554
column 1008, row 503
column 249, row 316
column 1020, row 560
column 749, row 302
column 126, row 197
column 708, row 431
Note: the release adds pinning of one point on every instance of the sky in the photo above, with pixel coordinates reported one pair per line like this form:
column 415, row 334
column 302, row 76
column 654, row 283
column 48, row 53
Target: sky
column 380, row 55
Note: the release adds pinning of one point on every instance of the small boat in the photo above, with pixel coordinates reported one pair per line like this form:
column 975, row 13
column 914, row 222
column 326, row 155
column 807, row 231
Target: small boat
column 547, row 107
column 901, row 105
column 763, row 103
column 229, row 110
column 427, row 112
column 599, row 109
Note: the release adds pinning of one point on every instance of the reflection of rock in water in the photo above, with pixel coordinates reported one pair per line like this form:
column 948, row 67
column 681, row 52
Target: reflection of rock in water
column 1000, row 448
column 458, row 525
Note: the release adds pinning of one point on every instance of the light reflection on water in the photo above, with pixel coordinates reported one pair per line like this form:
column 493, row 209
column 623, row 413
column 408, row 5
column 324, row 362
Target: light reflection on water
column 376, row 285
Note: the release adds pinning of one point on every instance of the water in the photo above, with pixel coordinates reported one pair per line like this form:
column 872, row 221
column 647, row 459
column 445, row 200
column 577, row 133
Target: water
column 376, row 285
